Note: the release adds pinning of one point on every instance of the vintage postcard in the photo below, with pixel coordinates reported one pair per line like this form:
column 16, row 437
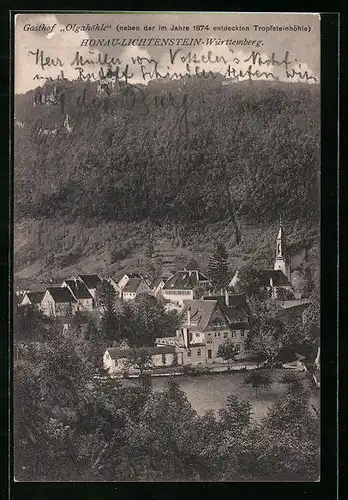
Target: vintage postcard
column 166, row 247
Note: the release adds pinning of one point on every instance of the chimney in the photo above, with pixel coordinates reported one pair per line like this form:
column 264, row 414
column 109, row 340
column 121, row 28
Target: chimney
column 227, row 298
column 189, row 316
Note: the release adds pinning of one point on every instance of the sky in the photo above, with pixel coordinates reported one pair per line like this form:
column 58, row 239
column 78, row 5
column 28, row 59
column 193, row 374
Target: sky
column 63, row 42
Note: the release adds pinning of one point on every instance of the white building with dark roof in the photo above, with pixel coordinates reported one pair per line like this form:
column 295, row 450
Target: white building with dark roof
column 126, row 277
column 116, row 359
column 91, row 281
column 134, row 287
column 33, row 299
column 182, row 285
column 58, row 301
column 206, row 324
column 85, row 300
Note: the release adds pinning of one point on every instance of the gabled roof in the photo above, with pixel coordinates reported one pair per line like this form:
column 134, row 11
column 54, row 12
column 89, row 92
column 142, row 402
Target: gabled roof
column 157, row 281
column 132, row 275
column 118, row 353
column 237, row 308
column 61, row 294
column 234, row 300
column 279, row 278
column 293, row 312
column 90, row 280
column 233, row 314
column 35, row 297
column 79, row 289
column 132, row 285
column 185, row 280
column 200, row 313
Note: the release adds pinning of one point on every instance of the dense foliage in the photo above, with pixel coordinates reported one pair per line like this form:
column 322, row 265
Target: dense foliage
column 218, row 270
column 245, row 151
column 70, row 426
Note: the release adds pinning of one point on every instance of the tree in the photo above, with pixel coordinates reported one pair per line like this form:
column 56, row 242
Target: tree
column 258, row 380
column 218, row 266
column 140, row 358
column 293, row 382
column 145, row 319
column 248, row 281
column 29, row 324
column 289, row 441
column 105, row 296
column 111, row 312
column 227, row 351
column 236, row 415
column 311, row 318
column 266, row 338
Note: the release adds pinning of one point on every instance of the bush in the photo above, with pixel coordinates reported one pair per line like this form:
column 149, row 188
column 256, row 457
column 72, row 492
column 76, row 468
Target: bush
column 258, row 380
column 190, row 371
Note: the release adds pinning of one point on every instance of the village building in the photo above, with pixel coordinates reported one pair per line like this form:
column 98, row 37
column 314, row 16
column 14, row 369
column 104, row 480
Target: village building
column 206, row 324
column 275, row 282
column 91, row 281
column 33, row 299
column 126, row 277
column 294, row 311
column 158, row 283
column 134, row 287
column 85, row 301
column 116, row 359
column 182, row 285
column 58, row 301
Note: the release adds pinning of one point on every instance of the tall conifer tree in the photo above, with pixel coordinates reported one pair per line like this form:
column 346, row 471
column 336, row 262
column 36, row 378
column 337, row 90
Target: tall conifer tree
column 218, row 266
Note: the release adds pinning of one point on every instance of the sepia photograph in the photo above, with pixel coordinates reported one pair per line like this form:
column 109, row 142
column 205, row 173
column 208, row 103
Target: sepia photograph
column 166, row 260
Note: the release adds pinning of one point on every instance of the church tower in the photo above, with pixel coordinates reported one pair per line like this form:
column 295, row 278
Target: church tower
column 282, row 261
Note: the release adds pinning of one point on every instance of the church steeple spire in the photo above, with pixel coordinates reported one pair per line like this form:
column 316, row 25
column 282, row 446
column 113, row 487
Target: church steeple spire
column 281, row 261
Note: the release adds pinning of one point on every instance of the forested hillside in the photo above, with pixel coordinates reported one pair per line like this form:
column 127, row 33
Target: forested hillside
column 187, row 154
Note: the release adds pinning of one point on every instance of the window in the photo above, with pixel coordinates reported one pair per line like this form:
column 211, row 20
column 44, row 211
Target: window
column 233, row 333
column 219, row 333
column 238, row 347
column 163, row 359
column 199, row 352
column 215, row 334
column 198, row 335
column 209, row 341
column 242, row 333
column 188, row 354
column 225, row 335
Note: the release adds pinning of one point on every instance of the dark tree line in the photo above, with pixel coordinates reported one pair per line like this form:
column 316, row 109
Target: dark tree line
column 239, row 159
column 69, row 426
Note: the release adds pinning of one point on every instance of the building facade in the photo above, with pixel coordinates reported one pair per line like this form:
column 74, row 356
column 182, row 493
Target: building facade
column 207, row 323
column 182, row 285
column 116, row 359
column 58, row 301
